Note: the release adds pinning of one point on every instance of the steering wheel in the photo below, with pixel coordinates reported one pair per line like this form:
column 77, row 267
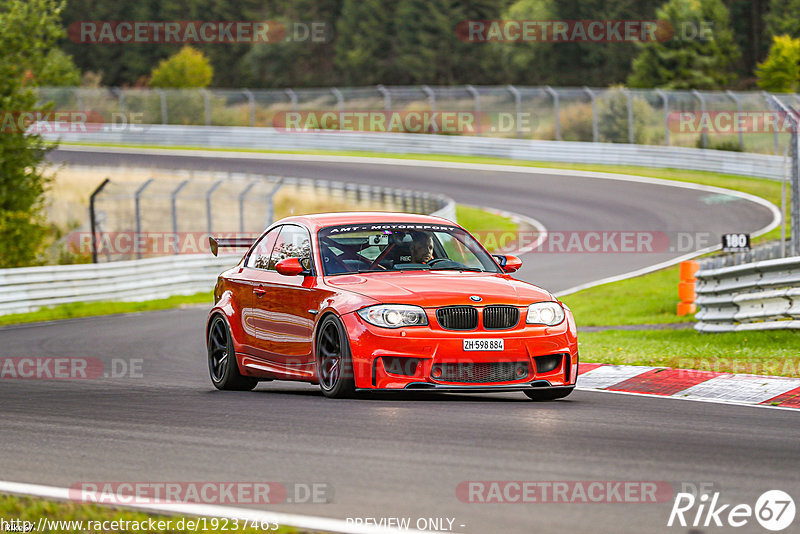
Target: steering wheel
column 434, row 261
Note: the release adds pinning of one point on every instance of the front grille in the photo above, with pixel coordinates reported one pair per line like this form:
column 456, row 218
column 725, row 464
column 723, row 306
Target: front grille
column 481, row 372
column 500, row 317
column 457, row 317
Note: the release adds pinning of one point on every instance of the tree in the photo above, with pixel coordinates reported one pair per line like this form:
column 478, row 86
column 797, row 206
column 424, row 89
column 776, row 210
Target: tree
column 700, row 55
column 780, row 72
column 783, row 18
column 28, row 30
column 59, row 70
column 187, row 68
column 528, row 62
column 365, row 50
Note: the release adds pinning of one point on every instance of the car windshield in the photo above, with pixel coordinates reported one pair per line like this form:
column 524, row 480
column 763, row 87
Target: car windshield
column 381, row 247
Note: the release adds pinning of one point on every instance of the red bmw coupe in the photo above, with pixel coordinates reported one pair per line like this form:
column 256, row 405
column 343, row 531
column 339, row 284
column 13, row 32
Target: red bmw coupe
column 385, row 301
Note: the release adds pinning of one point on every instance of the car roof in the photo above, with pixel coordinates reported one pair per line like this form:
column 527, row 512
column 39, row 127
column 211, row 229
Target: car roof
column 322, row 220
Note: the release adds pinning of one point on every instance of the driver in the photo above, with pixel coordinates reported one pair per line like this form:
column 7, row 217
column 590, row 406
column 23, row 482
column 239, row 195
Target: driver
column 421, row 247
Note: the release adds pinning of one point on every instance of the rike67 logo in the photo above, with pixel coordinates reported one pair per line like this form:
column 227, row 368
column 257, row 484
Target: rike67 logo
column 774, row 510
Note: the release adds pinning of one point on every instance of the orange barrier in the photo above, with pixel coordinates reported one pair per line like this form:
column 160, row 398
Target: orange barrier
column 686, row 288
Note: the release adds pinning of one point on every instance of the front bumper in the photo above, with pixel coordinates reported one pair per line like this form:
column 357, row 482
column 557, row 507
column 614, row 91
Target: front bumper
column 406, row 358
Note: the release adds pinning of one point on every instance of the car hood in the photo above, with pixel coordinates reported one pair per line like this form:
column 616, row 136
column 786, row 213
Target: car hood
column 441, row 288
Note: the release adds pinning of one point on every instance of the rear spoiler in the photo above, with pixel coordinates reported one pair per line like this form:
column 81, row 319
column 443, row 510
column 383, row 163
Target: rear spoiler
column 229, row 242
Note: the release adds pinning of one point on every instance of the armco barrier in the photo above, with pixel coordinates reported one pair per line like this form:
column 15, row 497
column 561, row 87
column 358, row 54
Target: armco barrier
column 30, row 288
column 740, row 163
column 764, row 295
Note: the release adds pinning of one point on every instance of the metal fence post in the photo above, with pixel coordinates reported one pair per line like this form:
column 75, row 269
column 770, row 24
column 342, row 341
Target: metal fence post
column 252, row 103
column 557, row 120
column 431, row 97
column 794, row 116
column 208, row 205
column 629, row 97
column 735, row 98
column 92, row 218
column 701, row 98
column 339, row 98
column 387, row 98
column 795, row 215
column 207, row 105
column 162, row 96
column 476, row 97
column 120, row 98
column 783, row 200
column 517, row 109
column 174, row 204
column 595, row 129
column 242, row 195
column 768, row 97
column 292, row 98
column 665, row 97
column 271, row 202
column 137, row 205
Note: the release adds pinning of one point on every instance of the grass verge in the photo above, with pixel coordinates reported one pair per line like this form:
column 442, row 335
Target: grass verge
column 759, row 353
column 92, row 516
column 472, row 218
column 648, row 299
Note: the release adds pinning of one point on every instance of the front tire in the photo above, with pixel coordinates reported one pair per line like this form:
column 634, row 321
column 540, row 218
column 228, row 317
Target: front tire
column 334, row 361
column 547, row 394
column 222, row 366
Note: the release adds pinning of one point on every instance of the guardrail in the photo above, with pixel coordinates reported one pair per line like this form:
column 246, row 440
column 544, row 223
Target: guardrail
column 739, row 163
column 30, row 288
column 763, row 295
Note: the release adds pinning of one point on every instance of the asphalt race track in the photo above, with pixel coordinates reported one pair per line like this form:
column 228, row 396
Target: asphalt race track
column 385, row 456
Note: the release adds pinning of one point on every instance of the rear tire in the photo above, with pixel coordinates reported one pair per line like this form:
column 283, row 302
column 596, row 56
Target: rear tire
column 547, row 394
column 334, row 360
column 222, row 365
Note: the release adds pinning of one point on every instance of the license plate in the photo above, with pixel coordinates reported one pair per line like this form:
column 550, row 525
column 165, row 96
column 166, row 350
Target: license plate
column 484, row 344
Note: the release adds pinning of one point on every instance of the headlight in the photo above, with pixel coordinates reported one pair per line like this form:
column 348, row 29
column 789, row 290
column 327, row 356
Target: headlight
column 547, row 313
column 394, row 315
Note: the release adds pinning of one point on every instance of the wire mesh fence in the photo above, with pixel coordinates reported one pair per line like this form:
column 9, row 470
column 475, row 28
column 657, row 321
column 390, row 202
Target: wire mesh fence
column 741, row 121
column 174, row 212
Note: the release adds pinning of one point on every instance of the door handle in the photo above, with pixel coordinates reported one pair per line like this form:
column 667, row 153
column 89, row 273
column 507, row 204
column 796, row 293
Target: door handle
column 259, row 291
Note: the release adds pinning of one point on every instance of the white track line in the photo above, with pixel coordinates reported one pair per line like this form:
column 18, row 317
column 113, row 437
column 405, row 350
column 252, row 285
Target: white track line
column 541, row 230
column 202, row 510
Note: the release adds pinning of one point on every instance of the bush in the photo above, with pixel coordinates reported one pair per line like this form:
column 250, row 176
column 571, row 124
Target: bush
column 780, row 72
column 612, row 112
column 187, row 68
column 576, row 122
column 21, row 237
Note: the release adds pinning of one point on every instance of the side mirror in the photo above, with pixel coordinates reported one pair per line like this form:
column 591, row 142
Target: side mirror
column 509, row 264
column 290, row 267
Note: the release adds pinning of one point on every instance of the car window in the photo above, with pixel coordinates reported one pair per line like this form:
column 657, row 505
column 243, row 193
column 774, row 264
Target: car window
column 260, row 254
column 390, row 247
column 293, row 242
